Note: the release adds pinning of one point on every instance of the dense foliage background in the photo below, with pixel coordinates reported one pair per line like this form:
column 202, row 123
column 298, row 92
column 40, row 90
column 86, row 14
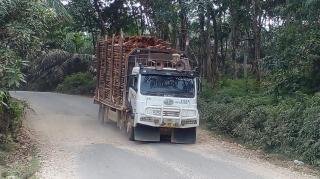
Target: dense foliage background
column 259, row 60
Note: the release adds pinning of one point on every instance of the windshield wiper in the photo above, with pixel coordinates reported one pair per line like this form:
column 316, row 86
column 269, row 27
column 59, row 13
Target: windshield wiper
column 184, row 95
column 155, row 93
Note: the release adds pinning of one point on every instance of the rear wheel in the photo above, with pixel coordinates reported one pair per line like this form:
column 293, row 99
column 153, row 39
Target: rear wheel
column 101, row 113
column 130, row 128
column 131, row 134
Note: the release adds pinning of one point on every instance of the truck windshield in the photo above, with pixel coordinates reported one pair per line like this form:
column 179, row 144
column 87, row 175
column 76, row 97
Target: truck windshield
column 163, row 85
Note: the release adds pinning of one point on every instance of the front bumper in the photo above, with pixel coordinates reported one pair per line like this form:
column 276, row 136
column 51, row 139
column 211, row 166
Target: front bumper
column 153, row 134
column 168, row 122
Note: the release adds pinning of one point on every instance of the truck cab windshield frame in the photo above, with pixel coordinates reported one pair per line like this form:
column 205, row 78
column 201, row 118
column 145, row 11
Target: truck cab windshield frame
column 168, row 86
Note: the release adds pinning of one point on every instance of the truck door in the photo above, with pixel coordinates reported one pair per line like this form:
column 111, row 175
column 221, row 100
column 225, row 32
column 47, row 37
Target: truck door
column 133, row 88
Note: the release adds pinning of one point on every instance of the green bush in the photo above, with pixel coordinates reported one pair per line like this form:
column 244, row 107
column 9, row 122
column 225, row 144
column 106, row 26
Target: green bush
column 79, row 83
column 289, row 125
column 221, row 117
column 11, row 112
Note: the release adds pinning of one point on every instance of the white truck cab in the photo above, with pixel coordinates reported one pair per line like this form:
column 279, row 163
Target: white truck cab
column 164, row 98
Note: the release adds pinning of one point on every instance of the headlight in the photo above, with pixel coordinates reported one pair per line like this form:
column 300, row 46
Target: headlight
column 153, row 111
column 188, row 113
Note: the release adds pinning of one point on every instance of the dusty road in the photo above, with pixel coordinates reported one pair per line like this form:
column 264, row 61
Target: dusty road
column 74, row 144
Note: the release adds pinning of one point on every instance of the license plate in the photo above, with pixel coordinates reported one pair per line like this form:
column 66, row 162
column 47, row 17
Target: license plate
column 170, row 125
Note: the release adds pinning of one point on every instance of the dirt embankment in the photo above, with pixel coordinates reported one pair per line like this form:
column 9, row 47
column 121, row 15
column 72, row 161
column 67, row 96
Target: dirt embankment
column 20, row 158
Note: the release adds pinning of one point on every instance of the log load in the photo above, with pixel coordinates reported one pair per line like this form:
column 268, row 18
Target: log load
column 113, row 65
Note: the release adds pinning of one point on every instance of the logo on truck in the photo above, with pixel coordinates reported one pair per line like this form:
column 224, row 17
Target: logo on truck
column 182, row 101
column 168, row 102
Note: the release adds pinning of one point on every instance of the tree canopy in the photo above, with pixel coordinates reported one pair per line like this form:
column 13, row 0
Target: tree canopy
column 273, row 41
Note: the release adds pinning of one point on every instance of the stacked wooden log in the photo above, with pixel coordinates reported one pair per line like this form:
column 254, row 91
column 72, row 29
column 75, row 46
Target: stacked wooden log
column 101, row 68
column 130, row 43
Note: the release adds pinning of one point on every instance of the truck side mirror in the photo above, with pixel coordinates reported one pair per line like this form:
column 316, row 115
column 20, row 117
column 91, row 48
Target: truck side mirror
column 133, row 82
column 130, row 81
column 199, row 86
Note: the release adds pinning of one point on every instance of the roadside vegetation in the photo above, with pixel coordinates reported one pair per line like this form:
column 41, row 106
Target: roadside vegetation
column 287, row 125
column 79, row 83
column 277, row 109
column 17, row 151
column 22, row 25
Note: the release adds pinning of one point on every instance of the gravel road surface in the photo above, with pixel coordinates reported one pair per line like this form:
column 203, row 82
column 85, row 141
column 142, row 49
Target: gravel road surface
column 74, row 144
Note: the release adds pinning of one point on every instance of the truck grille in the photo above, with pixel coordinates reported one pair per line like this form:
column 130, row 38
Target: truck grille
column 167, row 113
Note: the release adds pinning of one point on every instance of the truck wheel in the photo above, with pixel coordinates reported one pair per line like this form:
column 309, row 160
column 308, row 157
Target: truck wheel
column 101, row 113
column 130, row 131
column 131, row 134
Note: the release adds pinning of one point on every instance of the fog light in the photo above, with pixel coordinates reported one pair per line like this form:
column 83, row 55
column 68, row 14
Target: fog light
column 156, row 121
column 188, row 113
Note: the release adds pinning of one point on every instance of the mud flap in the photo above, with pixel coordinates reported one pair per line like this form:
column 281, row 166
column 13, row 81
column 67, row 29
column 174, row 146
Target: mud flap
column 146, row 133
column 184, row 136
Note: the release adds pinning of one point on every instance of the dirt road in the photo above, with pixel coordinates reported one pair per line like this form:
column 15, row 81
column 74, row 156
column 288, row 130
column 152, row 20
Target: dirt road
column 74, row 144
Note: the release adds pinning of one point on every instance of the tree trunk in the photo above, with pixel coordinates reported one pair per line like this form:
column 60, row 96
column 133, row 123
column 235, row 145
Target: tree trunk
column 234, row 38
column 135, row 16
column 245, row 59
column 222, row 53
column 214, row 64
column 256, row 23
column 207, row 47
column 183, row 25
column 142, row 23
column 96, row 4
column 202, row 41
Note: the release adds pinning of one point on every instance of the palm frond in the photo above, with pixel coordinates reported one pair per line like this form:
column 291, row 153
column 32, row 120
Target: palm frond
column 55, row 65
column 60, row 9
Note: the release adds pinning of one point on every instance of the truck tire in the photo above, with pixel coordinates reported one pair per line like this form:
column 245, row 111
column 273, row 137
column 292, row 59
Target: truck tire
column 101, row 113
column 130, row 128
column 131, row 134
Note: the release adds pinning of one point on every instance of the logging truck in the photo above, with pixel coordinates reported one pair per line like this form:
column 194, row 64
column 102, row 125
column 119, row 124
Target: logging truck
column 148, row 88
